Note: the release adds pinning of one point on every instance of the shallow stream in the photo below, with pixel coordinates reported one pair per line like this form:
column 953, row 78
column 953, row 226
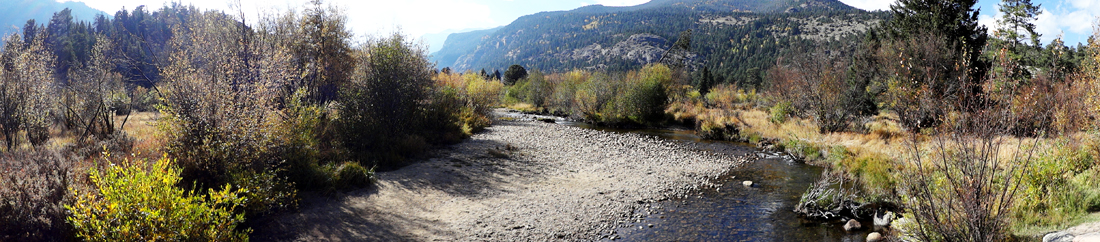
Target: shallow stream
column 732, row 211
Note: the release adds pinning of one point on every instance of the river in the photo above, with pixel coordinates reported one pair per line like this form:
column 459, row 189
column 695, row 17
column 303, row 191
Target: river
column 732, row 211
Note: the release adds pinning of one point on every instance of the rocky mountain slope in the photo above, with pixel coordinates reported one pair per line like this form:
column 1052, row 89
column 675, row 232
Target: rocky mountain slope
column 737, row 39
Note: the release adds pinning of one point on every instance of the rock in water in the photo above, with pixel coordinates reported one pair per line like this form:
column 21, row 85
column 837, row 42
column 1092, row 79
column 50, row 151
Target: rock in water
column 747, row 183
column 874, row 237
column 884, row 221
column 852, row 225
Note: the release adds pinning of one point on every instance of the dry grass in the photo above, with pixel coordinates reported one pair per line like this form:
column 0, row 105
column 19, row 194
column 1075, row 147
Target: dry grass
column 524, row 107
column 142, row 127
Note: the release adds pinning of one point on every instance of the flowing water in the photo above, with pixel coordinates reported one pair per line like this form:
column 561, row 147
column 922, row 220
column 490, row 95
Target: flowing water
column 732, row 211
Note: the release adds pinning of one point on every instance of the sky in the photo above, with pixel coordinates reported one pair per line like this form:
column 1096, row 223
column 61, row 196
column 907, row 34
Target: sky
column 1072, row 19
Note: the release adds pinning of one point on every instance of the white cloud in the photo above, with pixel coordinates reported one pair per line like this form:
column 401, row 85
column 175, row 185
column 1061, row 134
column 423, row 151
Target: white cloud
column 870, row 5
column 1085, row 4
column 990, row 21
column 1075, row 22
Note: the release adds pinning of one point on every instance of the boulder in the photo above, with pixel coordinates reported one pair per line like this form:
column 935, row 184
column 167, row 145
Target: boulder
column 883, row 221
column 874, row 237
column 1058, row 237
column 852, row 225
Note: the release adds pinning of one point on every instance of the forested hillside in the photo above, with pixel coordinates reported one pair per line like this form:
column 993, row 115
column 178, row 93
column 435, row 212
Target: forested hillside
column 15, row 13
column 736, row 40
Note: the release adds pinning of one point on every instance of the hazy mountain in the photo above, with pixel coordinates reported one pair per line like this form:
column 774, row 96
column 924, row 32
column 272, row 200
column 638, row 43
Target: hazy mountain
column 15, row 13
column 457, row 44
column 738, row 39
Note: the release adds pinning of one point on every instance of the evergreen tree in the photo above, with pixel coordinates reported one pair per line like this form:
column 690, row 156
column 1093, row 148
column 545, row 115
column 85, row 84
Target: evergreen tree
column 513, row 74
column 1015, row 26
column 1016, row 36
column 956, row 21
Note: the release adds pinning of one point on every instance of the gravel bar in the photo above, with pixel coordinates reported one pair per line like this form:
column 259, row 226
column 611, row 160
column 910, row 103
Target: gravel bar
column 516, row 181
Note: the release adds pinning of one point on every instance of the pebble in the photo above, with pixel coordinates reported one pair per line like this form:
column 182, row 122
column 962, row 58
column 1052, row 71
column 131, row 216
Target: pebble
column 747, row 183
column 638, row 167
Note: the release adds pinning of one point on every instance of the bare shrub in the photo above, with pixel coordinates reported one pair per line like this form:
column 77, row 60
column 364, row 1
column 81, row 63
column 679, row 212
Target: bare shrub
column 816, row 85
column 962, row 187
column 926, row 79
column 34, row 187
column 86, row 99
column 220, row 95
column 25, row 76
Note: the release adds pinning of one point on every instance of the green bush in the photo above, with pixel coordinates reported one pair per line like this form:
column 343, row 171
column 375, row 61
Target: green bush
column 391, row 104
column 593, row 94
column 780, row 112
column 872, row 171
column 351, row 175
column 307, row 136
column 130, row 203
column 1061, row 185
column 643, row 99
column 802, row 149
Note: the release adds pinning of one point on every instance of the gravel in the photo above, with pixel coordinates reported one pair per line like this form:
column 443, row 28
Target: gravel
column 517, row 181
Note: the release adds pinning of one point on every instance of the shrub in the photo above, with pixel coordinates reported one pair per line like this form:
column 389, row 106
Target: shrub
column 927, row 77
column 726, row 96
column 780, row 112
column 307, row 138
column 961, row 188
column 1061, row 186
column 25, row 89
column 391, row 103
column 536, row 89
column 644, row 97
column 816, row 84
column 802, row 149
column 351, row 175
column 220, row 113
column 34, row 187
column 593, row 94
column 565, row 85
column 130, row 203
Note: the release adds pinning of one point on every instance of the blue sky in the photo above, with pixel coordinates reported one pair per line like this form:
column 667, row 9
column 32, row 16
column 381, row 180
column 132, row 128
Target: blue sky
column 1073, row 18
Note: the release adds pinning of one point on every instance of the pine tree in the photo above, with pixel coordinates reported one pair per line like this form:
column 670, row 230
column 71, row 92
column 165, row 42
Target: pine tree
column 954, row 20
column 1017, row 17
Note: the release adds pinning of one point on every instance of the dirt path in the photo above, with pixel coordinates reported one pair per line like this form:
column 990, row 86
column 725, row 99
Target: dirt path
column 519, row 180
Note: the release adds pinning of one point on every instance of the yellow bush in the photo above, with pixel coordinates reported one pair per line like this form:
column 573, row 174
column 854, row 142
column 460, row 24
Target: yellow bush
column 128, row 203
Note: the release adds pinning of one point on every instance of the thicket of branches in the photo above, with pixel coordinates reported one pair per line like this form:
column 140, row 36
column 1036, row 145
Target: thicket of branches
column 250, row 108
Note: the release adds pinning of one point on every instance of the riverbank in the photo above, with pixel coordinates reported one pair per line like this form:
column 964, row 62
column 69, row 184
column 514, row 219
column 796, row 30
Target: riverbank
column 517, row 180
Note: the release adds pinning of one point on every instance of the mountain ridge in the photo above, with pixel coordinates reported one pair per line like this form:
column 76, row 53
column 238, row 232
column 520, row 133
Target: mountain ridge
column 15, row 15
column 620, row 38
